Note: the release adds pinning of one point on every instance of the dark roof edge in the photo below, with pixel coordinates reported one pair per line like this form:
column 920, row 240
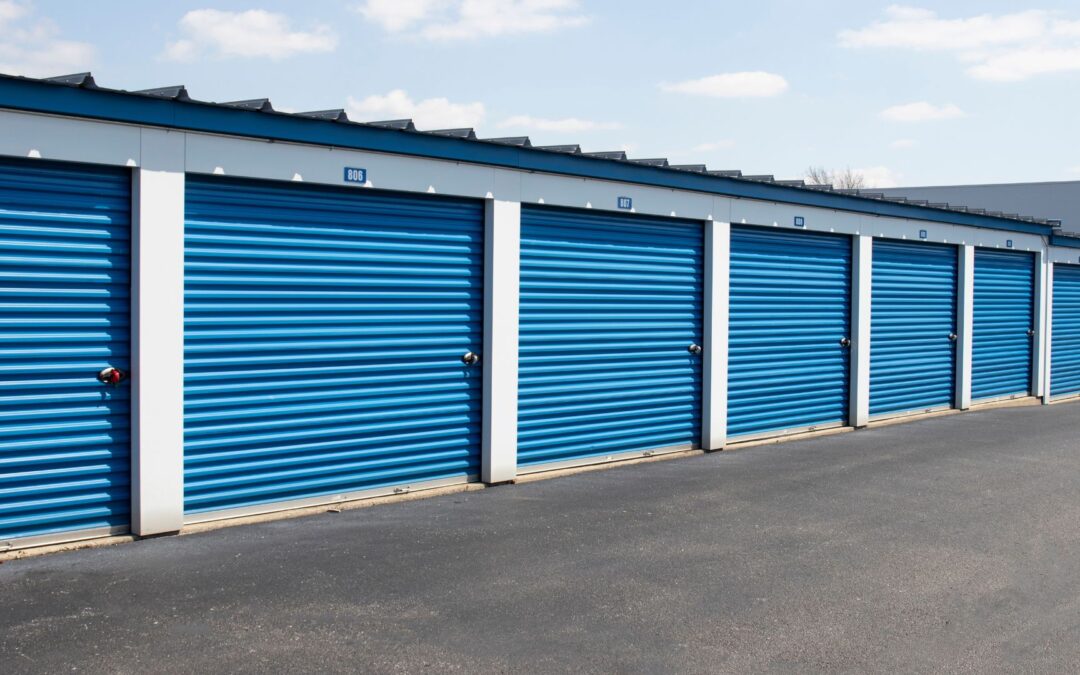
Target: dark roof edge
column 26, row 94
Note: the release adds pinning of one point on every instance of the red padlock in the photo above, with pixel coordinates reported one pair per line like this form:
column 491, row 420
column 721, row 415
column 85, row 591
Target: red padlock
column 111, row 375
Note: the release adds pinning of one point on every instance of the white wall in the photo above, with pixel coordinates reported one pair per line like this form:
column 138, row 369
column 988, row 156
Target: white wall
column 157, row 335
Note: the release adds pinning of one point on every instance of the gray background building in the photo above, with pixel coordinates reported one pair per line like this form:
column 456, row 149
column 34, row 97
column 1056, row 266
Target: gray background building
column 1052, row 200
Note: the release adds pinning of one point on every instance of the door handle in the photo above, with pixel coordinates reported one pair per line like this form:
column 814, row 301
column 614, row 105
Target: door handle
column 470, row 359
column 112, row 376
column 845, row 342
column 1031, row 332
column 952, row 337
column 694, row 349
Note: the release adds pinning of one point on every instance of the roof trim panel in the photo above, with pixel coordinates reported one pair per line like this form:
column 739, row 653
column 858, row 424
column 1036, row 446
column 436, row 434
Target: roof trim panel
column 1064, row 240
column 27, row 94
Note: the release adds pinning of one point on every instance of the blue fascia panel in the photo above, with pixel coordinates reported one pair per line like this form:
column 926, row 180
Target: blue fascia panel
column 1064, row 240
column 32, row 95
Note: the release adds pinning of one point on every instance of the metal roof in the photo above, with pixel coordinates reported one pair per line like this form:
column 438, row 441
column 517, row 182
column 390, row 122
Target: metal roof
column 179, row 94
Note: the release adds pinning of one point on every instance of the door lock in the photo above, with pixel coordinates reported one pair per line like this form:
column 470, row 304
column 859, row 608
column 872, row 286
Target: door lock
column 470, row 359
column 111, row 375
column 694, row 349
column 952, row 337
column 845, row 342
column 1031, row 332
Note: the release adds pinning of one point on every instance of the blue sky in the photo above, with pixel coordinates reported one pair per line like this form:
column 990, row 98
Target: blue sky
column 911, row 94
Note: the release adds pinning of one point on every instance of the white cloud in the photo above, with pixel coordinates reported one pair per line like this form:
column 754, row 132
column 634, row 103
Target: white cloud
column 902, row 144
column 1020, row 64
column 999, row 48
column 33, row 47
column 397, row 15
column 879, row 176
column 753, row 84
column 11, row 10
column 181, row 50
column 922, row 29
column 431, row 113
column 1067, row 28
column 565, row 125
column 253, row 33
column 921, row 111
column 446, row 20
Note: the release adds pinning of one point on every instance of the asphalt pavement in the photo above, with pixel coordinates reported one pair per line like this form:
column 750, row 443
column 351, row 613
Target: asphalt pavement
column 945, row 544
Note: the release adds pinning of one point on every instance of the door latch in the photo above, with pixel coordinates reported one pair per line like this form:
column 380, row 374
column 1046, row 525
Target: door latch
column 694, row 349
column 112, row 376
column 470, row 359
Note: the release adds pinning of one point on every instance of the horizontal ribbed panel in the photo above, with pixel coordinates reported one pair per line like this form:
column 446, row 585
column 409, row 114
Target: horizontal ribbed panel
column 609, row 305
column 324, row 330
column 790, row 308
column 64, row 315
column 913, row 311
column 1065, row 331
column 1001, row 349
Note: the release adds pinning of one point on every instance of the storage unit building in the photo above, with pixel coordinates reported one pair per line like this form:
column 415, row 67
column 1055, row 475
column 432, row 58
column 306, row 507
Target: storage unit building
column 212, row 310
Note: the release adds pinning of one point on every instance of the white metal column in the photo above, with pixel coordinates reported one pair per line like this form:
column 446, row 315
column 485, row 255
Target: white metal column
column 1040, row 347
column 157, row 335
column 502, row 279
column 1046, row 335
column 862, row 248
column 715, row 335
column 965, row 324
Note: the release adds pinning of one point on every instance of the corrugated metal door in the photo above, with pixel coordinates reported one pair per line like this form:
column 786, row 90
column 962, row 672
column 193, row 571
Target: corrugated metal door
column 610, row 305
column 324, row 335
column 1065, row 332
column 64, row 316
column 1001, row 348
column 912, row 327
column 788, row 336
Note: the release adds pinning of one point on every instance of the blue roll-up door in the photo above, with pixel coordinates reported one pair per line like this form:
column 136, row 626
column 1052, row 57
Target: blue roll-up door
column 64, row 316
column 610, row 305
column 324, row 335
column 1065, row 332
column 1004, row 313
column 912, row 327
column 789, row 326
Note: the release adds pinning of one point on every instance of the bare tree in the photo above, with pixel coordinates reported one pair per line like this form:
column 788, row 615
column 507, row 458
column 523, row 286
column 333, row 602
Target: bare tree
column 843, row 179
column 817, row 175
